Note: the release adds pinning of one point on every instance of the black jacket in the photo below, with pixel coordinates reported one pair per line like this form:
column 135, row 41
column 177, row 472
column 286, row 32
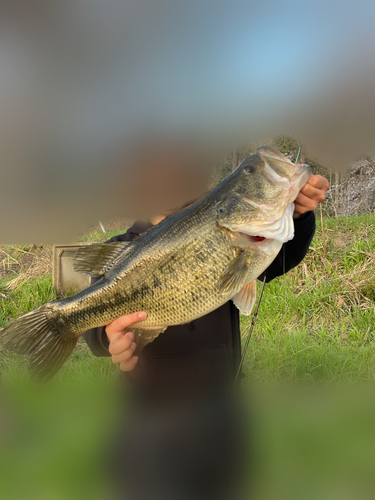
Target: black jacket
column 206, row 352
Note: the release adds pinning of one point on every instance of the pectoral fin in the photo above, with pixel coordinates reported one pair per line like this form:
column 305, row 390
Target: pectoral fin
column 235, row 274
column 95, row 260
column 143, row 336
column 245, row 298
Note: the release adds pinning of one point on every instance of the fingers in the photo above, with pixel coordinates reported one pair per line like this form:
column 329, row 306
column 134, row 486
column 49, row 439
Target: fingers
column 127, row 366
column 121, row 345
column 304, row 204
column 123, row 352
column 313, row 193
column 120, row 324
column 319, row 182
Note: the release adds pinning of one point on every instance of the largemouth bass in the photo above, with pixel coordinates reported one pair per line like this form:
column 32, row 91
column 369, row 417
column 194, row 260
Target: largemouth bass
column 181, row 269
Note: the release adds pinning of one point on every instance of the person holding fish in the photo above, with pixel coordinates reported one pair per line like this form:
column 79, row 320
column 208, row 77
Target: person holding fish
column 164, row 305
column 191, row 273
column 198, row 451
column 117, row 341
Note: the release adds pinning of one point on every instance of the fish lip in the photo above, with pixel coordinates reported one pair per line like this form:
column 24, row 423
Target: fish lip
column 298, row 180
column 272, row 175
column 261, row 206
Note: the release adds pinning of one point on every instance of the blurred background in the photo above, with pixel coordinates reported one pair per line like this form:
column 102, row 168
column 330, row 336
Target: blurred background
column 305, row 442
column 122, row 109
column 119, row 110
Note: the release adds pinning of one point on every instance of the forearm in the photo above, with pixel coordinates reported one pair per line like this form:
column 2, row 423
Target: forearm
column 97, row 340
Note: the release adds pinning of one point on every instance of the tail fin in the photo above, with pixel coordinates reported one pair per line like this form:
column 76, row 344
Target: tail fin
column 37, row 335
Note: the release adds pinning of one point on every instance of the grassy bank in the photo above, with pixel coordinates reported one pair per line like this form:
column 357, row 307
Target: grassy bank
column 315, row 323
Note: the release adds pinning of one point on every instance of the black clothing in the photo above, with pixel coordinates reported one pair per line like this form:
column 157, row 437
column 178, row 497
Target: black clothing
column 196, row 447
column 205, row 353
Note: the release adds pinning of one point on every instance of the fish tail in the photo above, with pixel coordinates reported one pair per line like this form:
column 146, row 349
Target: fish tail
column 37, row 335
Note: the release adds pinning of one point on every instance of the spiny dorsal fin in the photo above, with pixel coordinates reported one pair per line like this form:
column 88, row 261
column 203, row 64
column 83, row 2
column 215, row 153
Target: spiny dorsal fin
column 245, row 298
column 95, row 260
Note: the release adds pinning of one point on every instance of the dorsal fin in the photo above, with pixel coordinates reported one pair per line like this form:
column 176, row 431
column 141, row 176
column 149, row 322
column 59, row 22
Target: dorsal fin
column 95, row 260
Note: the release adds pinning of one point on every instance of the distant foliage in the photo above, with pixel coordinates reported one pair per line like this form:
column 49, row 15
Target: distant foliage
column 283, row 143
column 352, row 194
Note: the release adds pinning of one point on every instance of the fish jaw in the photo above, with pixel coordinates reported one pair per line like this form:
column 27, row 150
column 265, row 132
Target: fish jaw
column 299, row 179
column 268, row 246
column 276, row 162
column 274, row 209
column 270, row 218
column 281, row 229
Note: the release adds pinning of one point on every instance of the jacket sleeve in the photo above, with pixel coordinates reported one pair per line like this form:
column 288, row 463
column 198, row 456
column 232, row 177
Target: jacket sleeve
column 293, row 251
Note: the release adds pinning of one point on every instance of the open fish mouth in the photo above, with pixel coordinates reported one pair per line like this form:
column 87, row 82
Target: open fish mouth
column 281, row 229
column 269, row 217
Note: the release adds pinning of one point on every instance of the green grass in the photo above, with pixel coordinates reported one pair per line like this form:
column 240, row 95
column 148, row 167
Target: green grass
column 314, row 324
column 97, row 235
column 317, row 323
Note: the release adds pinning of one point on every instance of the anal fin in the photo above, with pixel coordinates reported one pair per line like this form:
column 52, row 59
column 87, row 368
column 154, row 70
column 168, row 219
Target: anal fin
column 245, row 298
column 143, row 336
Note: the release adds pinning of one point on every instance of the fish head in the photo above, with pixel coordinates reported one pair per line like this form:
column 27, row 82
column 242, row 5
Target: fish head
column 269, row 178
column 254, row 199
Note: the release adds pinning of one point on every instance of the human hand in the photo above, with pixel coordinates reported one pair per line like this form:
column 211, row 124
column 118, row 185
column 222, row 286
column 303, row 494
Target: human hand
column 312, row 193
column 121, row 345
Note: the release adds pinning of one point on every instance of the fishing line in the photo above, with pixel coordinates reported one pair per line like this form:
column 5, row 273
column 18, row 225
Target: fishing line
column 260, row 298
column 283, row 247
column 250, row 331
column 298, row 155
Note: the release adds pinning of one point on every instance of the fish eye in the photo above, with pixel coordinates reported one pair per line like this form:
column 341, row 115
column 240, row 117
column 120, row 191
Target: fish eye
column 249, row 169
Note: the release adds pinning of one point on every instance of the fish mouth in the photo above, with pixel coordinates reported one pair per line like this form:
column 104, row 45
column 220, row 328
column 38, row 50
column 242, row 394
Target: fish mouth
column 299, row 179
column 277, row 166
column 264, row 207
column 281, row 229
column 273, row 176
column 270, row 218
column 256, row 238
